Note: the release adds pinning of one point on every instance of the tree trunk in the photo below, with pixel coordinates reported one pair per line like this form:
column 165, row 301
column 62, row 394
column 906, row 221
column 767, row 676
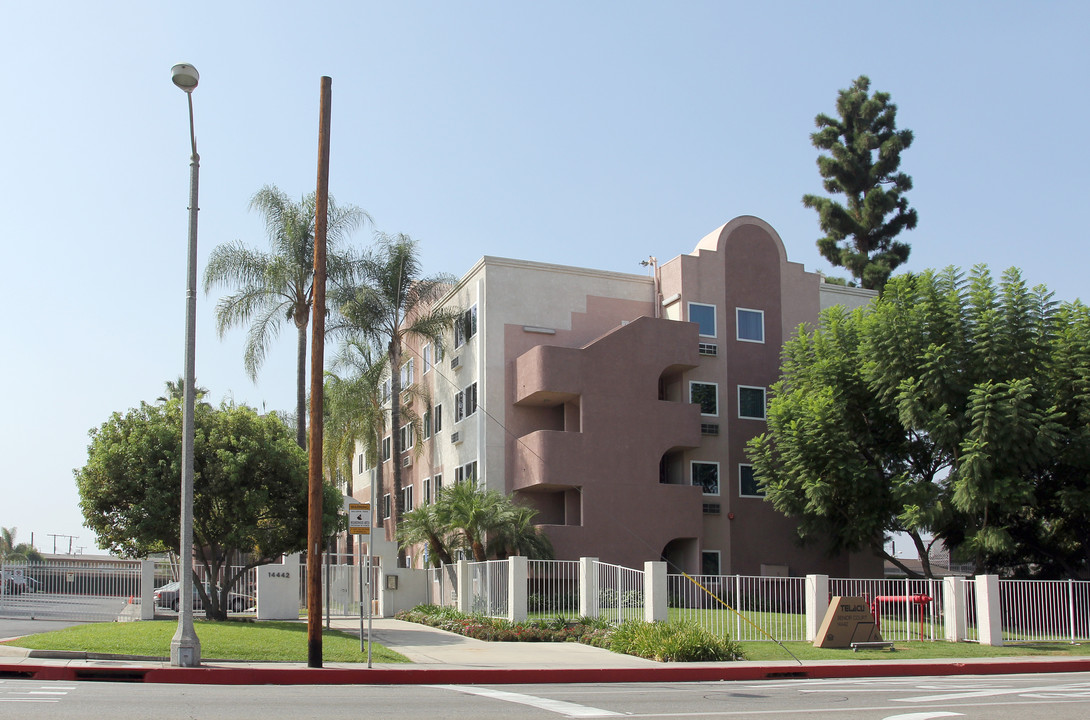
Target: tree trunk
column 301, row 386
column 395, row 436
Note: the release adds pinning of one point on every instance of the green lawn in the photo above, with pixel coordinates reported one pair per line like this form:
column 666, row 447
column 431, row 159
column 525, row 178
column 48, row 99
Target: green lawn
column 242, row 641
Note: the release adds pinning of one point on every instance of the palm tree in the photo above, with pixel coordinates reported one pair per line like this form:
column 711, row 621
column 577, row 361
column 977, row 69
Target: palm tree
column 517, row 535
column 18, row 552
column 277, row 286
column 426, row 526
column 175, row 390
column 473, row 513
column 390, row 303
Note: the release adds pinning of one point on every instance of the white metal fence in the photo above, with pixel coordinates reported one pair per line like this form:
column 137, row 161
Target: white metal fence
column 743, row 607
column 553, row 588
column 1045, row 610
column 488, row 585
column 80, row 590
column 620, row 592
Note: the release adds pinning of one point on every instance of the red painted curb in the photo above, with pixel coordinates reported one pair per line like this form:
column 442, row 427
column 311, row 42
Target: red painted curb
column 501, row 676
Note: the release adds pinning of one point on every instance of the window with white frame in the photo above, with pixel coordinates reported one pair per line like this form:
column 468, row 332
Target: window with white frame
column 439, row 354
column 704, row 316
column 751, row 325
column 407, row 373
column 427, row 423
column 361, row 463
column 425, row 491
column 386, row 448
column 386, row 505
column 436, row 485
column 465, row 402
column 386, row 389
column 747, row 482
column 407, row 437
column 706, row 395
column 751, row 402
column 426, row 355
column 407, row 498
column 706, row 476
column 437, row 419
column 465, row 327
column 709, row 563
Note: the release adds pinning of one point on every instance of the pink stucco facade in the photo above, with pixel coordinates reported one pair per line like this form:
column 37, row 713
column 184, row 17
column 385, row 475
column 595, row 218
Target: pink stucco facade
column 620, row 405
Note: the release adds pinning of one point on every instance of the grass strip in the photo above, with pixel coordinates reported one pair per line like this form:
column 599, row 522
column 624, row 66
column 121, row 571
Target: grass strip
column 241, row 641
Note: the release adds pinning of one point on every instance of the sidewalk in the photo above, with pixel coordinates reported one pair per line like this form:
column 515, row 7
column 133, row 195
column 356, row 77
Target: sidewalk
column 440, row 657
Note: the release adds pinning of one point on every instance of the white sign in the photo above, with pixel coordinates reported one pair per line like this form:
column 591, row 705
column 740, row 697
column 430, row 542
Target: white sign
column 359, row 518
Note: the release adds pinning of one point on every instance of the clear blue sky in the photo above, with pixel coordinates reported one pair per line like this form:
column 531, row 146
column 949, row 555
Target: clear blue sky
column 583, row 133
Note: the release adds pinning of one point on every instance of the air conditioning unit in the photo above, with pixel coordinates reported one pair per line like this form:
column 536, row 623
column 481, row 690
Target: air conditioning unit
column 456, row 437
column 407, row 398
column 407, row 461
column 456, row 362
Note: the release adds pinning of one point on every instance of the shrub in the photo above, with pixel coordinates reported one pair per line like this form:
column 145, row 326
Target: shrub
column 673, row 642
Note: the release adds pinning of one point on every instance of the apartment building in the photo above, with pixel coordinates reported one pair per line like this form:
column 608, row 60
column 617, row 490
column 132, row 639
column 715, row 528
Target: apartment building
column 619, row 405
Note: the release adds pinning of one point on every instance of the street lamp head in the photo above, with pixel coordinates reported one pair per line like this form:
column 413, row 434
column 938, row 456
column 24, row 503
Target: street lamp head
column 185, row 76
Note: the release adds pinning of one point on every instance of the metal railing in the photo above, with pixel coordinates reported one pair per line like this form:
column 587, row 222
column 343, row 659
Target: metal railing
column 1045, row 610
column 620, row 592
column 488, row 585
column 903, row 618
column 552, row 588
column 748, row 608
column 78, row 590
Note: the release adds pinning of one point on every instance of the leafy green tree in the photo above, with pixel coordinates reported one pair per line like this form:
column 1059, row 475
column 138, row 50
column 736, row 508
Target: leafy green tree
column 278, row 285
column 864, row 147
column 392, row 302
column 249, row 495
column 952, row 405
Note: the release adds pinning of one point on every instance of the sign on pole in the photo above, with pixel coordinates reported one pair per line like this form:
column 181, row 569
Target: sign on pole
column 359, row 518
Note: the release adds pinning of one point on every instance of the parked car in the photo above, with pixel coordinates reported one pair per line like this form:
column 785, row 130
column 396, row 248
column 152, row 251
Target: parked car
column 167, row 597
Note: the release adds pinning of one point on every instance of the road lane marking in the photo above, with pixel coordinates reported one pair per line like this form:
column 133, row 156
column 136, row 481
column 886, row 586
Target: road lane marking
column 557, row 706
column 923, row 716
column 1073, row 687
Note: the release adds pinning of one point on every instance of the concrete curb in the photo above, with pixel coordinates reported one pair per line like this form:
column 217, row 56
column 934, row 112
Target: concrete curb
column 504, row 676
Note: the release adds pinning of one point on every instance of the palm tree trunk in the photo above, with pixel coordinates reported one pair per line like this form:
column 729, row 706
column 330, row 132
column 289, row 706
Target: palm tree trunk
column 301, row 387
column 395, row 435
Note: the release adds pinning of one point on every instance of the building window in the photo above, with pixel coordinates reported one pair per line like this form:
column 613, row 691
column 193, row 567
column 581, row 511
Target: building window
column 407, row 437
column 438, row 355
column 437, row 420
column 747, row 482
column 704, row 317
column 465, row 327
column 385, row 448
column 706, row 475
column 467, row 472
column 751, row 325
column 386, row 506
column 706, row 395
column 426, row 353
column 361, row 464
column 385, row 390
column 465, row 403
column 427, row 423
column 437, row 485
column 407, row 498
column 709, row 563
column 407, row 374
column 751, row 402
column 425, row 495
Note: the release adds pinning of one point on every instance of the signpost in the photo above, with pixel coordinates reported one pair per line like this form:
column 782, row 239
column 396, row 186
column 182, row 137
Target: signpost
column 359, row 523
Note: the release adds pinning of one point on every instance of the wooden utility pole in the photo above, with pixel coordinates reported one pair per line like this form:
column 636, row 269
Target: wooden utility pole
column 317, row 370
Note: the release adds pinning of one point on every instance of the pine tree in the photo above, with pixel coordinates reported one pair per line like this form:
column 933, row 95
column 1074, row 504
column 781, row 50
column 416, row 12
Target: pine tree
column 863, row 163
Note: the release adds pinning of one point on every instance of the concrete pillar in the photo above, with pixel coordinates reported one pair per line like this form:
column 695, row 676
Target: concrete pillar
column 588, row 587
column 654, row 592
column 147, row 589
column 989, row 623
column 817, row 603
column 953, row 608
column 465, row 587
column 518, row 574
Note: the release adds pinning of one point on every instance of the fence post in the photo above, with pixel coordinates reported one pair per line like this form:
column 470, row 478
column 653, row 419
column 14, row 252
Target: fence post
column 464, row 589
column 953, row 601
column 989, row 620
column 518, row 575
column 654, row 592
column 817, row 603
column 147, row 589
column 588, row 587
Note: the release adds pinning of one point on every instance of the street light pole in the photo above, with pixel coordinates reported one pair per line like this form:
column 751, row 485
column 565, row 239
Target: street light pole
column 185, row 647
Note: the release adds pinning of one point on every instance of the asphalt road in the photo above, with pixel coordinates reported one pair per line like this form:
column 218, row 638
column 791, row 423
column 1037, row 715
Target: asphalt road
column 18, row 627
column 1012, row 697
